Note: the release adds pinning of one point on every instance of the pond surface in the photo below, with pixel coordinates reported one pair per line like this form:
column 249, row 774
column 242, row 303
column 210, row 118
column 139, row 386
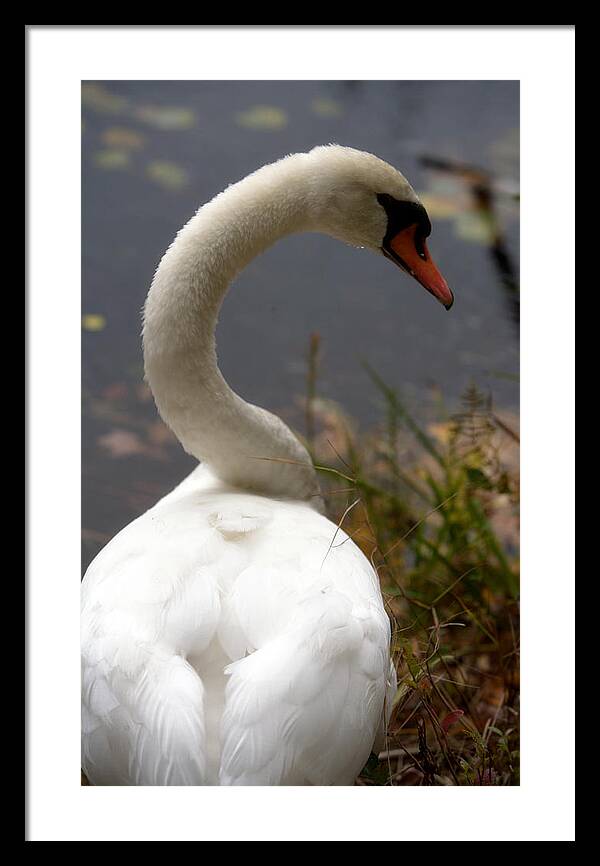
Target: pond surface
column 153, row 152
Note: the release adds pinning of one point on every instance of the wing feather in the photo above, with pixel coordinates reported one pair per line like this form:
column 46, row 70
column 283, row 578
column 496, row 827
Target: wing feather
column 305, row 708
column 204, row 579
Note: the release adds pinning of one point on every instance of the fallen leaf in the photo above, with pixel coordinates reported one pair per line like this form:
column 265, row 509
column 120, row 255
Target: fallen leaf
column 121, row 138
column 166, row 117
column 98, row 98
column 167, row 174
column 326, row 107
column 122, row 443
column 110, row 158
column 93, row 322
column 262, row 117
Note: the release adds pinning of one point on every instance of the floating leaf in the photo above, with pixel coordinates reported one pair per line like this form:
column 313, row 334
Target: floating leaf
column 120, row 138
column 451, row 719
column 122, row 443
column 125, row 443
column 262, row 117
column 98, row 98
column 169, row 175
column 166, row 117
column 326, row 107
column 93, row 322
column 111, row 159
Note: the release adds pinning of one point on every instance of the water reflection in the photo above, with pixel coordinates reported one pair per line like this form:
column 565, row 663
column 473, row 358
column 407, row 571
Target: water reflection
column 485, row 195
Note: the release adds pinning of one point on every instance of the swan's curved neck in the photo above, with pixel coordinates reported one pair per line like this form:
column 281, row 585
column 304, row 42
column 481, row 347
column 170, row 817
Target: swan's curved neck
column 244, row 445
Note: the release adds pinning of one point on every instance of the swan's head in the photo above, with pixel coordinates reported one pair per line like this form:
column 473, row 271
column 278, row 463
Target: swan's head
column 364, row 201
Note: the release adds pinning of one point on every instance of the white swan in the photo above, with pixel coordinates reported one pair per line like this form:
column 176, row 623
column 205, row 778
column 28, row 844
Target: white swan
column 225, row 640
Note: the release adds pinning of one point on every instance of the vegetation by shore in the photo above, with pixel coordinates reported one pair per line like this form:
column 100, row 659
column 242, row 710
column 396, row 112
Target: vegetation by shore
column 435, row 508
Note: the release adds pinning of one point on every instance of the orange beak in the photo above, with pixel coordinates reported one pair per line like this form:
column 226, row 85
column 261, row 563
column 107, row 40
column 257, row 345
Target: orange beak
column 412, row 255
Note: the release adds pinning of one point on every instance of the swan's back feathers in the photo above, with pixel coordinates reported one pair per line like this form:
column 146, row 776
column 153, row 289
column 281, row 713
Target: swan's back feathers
column 227, row 641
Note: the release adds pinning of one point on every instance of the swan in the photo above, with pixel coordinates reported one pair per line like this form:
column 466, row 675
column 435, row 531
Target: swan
column 226, row 640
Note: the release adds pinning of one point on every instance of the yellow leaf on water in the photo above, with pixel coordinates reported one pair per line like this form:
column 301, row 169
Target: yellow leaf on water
column 326, row 107
column 98, row 98
column 169, row 175
column 93, row 322
column 120, row 138
column 166, row 117
column 111, row 159
column 262, row 117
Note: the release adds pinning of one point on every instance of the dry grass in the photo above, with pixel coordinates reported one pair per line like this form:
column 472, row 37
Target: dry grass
column 435, row 508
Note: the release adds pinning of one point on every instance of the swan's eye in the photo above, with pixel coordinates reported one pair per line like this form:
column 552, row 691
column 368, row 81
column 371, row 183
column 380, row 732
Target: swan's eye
column 420, row 245
column 402, row 214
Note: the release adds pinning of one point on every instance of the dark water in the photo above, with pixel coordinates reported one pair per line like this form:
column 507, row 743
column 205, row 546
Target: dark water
column 154, row 151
